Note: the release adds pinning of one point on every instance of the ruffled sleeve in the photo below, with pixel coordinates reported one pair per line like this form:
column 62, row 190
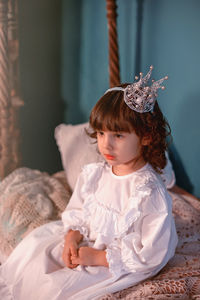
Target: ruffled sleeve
column 147, row 246
column 77, row 213
column 73, row 216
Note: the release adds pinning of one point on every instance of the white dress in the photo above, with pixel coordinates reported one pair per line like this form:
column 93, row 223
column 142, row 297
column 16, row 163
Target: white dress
column 129, row 216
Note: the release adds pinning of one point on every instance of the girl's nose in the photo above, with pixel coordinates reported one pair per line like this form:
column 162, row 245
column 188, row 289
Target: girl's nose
column 108, row 144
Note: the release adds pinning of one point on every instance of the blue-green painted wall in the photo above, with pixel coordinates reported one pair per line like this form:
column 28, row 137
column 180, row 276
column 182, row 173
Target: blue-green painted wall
column 164, row 33
column 170, row 33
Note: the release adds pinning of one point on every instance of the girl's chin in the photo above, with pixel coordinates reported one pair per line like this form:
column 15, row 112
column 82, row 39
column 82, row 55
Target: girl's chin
column 111, row 162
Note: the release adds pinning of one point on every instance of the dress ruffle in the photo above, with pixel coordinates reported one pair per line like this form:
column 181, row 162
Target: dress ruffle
column 109, row 221
column 113, row 256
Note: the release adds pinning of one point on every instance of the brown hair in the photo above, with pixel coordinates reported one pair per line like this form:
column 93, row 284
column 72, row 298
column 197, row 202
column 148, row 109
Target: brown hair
column 112, row 113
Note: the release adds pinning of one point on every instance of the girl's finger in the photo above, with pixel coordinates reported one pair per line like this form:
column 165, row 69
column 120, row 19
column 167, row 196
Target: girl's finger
column 68, row 262
column 75, row 260
column 74, row 251
column 72, row 266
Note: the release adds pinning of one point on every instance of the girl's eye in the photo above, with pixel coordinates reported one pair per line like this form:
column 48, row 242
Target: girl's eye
column 119, row 135
column 100, row 133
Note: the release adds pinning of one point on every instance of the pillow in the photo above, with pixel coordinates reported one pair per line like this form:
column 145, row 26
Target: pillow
column 76, row 149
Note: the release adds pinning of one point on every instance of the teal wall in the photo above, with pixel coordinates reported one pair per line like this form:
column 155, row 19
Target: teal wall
column 164, row 33
column 170, row 33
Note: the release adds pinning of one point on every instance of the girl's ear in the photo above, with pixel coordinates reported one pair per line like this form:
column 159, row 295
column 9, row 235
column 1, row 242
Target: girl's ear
column 146, row 140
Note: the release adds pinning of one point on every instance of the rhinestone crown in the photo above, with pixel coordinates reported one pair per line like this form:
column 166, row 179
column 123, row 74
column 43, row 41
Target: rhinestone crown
column 140, row 96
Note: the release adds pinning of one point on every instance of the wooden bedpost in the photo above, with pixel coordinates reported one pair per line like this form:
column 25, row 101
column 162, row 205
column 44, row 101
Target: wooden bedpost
column 114, row 70
column 9, row 99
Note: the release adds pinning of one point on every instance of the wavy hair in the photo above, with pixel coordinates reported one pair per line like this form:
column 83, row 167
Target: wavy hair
column 112, row 113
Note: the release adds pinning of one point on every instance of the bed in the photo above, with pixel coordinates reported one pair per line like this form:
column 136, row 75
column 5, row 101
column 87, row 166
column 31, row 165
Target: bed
column 30, row 198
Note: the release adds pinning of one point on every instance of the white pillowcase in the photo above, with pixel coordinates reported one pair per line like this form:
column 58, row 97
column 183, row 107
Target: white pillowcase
column 76, row 149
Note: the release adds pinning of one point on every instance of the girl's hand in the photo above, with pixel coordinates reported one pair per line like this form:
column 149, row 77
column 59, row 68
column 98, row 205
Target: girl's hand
column 72, row 239
column 90, row 257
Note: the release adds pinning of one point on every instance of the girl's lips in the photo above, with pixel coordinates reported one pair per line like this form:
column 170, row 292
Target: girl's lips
column 108, row 156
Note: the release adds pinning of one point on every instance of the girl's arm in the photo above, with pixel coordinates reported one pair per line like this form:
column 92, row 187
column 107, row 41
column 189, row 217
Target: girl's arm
column 74, row 224
column 151, row 243
column 73, row 216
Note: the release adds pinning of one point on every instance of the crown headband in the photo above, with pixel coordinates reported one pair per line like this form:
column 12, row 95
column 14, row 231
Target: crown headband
column 140, row 96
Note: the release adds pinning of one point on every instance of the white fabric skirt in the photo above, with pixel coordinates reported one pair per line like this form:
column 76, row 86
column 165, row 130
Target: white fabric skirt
column 35, row 271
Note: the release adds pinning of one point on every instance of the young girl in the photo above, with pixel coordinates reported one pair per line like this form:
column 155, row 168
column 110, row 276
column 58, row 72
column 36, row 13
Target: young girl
column 117, row 229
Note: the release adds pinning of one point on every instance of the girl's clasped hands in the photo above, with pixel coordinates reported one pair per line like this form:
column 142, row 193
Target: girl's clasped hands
column 73, row 255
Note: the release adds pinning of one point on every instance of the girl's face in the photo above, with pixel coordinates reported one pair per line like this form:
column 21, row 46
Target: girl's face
column 122, row 150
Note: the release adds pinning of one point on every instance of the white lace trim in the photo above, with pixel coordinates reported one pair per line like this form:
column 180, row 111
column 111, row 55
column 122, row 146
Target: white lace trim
column 115, row 265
